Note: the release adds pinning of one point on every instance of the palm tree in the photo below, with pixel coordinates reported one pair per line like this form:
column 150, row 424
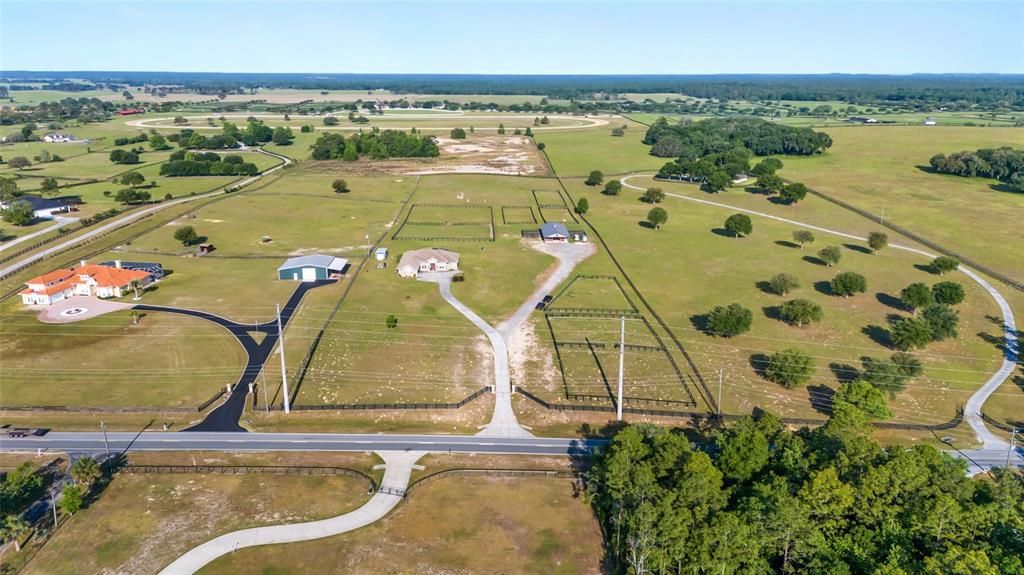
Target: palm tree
column 15, row 528
column 135, row 285
column 85, row 470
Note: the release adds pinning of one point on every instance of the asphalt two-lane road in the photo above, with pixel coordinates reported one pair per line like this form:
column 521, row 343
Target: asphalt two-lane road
column 92, row 442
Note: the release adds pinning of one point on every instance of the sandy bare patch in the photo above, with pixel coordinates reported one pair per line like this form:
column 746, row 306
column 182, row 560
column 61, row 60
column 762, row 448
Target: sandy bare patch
column 505, row 155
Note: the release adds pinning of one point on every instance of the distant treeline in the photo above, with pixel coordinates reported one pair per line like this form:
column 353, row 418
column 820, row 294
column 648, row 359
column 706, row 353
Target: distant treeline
column 693, row 140
column 1004, row 164
column 989, row 90
column 377, row 144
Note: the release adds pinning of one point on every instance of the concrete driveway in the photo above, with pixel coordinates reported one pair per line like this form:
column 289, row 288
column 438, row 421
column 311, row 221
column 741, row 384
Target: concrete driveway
column 79, row 308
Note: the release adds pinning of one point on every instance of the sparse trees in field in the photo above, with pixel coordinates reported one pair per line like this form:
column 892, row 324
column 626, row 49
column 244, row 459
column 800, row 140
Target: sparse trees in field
column 528, row 133
column 391, row 321
column 847, row 284
column 618, row 132
column 582, row 206
column 739, row 225
column 124, row 157
column 458, row 134
column 830, row 255
column 729, row 321
column 85, row 471
column 907, row 365
column 19, row 213
column 944, row 264
column 800, row 312
column 131, row 196
column 657, row 217
column 910, row 333
column 8, row 189
column 158, row 142
column 133, row 179
column 179, row 120
column 44, row 156
column 949, row 293
column 916, row 296
column 282, row 136
column 877, row 241
column 72, row 499
column 783, row 283
column 766, row 166
column 612, row 188
column 594, row 178
column 943, row 321
column 718, row 181
column 865, row 397
column 186, row 235
column 541, row 146
column 770, row 183
column 330, row 121
column 652, row 196
column 501, row 129
column 49, row 185
column 803, row 237
column 19, row 162
column 168, row 196
column 339, row 186
column 306, row 129
column 793, row 193
column 789, row 367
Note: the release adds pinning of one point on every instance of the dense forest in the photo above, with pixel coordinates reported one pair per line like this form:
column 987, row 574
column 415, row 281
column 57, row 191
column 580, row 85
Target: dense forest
column 1004, row 164
column 762, row 499
column 693, row 140
column 376, row 144
column 979, row 89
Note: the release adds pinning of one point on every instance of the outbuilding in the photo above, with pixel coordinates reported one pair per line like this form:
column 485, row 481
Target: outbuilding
column 312, row 268
column 44, row 208
column 554, row 232
column 381, row 254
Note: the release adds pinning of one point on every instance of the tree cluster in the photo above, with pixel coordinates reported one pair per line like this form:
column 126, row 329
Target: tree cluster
column 691, row 141
column 1004, row 164
column 376, row 144
column 183, row 164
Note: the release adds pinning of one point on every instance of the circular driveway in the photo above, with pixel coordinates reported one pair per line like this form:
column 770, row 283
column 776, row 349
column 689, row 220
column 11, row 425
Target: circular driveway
column 79, row 308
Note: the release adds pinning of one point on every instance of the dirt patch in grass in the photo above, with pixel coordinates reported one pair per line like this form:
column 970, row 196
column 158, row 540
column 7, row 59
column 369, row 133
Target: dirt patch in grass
column 457, row 525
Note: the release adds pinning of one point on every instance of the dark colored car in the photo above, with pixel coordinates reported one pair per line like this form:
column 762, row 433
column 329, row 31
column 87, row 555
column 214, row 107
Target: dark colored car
column 540, row 305
column 548, row 298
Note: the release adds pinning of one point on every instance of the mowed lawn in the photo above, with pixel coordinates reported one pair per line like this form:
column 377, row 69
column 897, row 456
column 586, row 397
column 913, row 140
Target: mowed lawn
column 453, row 525
column 143, row 522
column 94, row 165
column 690, row 266
column 163, row 361
column 877, row 168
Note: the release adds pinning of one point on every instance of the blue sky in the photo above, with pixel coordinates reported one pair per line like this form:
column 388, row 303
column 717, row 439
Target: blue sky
column 522, row 38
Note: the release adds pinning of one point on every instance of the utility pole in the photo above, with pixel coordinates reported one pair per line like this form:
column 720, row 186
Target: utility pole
column 622, row 362
column 106, row 445
column 284, row 373
column 719, row 403
column 263, row 384
column 53, row 505
column 1013, row 435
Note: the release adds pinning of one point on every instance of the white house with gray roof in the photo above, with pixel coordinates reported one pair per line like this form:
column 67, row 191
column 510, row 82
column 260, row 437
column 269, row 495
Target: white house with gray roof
column 427, row 260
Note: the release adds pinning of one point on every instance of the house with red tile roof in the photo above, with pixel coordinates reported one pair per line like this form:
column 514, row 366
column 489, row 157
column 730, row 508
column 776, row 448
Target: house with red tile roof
column 99, row 280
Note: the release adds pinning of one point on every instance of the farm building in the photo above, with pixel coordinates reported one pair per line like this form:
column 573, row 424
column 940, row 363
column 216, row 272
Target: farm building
column 554, row 232
column 739, row 179
column 58, row 138
column 98, row 280
column 414, row 262
column 44, row 208
column 312, row 268
column 929, row 121
column 381, row 254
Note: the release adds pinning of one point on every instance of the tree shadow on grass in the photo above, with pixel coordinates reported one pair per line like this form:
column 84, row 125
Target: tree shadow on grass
column 764, row 286
column 823, row 287
column 646, row 224
column 780, row 201
column 878, row 334
column 926, row 169
column 786, row 244
column 856, row 248
column 997, row 341
column 821, row 397
column 722, row 232
column 700, row 322
column 927, row 268
column 888, row 300
column 844, row 372
column 772, row 312
column 759, row 362
column 1004, row 188
column 815, row 260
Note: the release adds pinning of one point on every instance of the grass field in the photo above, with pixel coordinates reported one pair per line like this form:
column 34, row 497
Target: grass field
column 143, row 522
column 577, row 152
column 878, row 170
column 475, row 526
column 707, row 269
column 163, row 361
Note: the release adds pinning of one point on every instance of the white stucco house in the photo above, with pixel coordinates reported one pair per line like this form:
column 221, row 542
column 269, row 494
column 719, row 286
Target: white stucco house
column 427, row 260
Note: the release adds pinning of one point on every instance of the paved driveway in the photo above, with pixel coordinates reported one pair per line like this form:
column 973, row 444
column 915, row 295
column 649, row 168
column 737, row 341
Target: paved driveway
column 79, row 308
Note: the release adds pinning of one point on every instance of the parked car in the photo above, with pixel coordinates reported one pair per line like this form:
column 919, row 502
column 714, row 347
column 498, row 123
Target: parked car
column 540, row 305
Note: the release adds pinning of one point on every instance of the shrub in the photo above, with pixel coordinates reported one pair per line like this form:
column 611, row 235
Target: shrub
column 739, row 225
column 944, row 264
column 612, row 188
column 789, row 367
column 339, row 186
column 657, row 217
column 830, row 255
column 916, row 296
column 910, row 333
column 594, row 178
column 865, row 397
column 943, row 321
column 730, row 320
column 330, row 121
column 877, row 241
column 652, row 196
column 391, row 321
column 458, row 134
column 803, row 237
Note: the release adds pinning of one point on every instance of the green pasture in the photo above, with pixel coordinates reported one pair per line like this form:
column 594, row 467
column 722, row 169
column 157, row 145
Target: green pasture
column 578, row 152
column 688, row 267
column 163, row 361
column 880, row 170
